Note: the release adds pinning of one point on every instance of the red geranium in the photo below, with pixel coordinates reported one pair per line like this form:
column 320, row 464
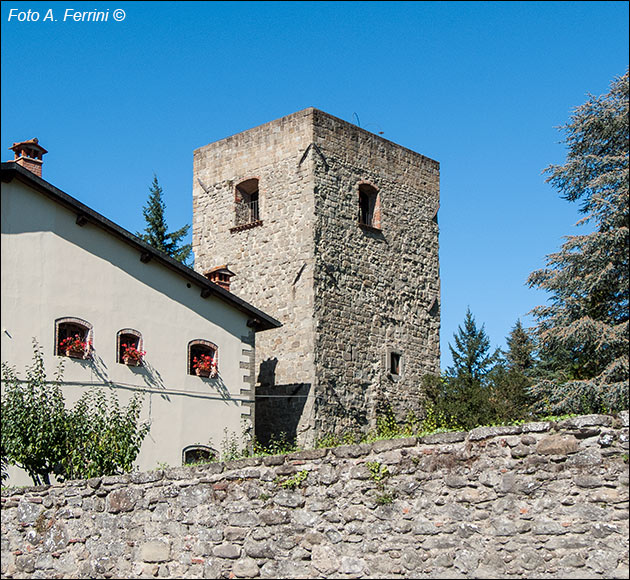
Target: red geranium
column 75, row 343
column 205, row 363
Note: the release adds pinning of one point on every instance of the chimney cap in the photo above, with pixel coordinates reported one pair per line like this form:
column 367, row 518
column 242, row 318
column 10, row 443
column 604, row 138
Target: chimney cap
column 31, row 143
column 220, row 270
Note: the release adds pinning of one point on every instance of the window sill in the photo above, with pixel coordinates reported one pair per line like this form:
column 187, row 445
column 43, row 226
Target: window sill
column 369, row 228
column 248, row 226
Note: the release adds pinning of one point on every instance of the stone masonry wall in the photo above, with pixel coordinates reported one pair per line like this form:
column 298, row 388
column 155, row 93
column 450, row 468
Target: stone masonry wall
column 376, row 291
column 273, row 261
column 347, row 295
column 540, row 500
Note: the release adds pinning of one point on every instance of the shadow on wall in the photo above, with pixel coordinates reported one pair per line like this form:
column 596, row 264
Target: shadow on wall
column 279, row 408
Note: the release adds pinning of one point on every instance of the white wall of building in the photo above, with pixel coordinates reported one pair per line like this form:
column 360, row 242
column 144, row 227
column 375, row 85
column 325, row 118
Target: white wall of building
column 54, row 268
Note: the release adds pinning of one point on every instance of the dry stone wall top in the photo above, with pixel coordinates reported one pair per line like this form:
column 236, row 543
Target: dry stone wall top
column 540, row 500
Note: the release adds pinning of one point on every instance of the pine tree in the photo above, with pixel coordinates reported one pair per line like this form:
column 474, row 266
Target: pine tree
column 156, row 231
column 472, row 359
column 583, row 332
column 510, row 378
column 464, row 394
column 520, row 354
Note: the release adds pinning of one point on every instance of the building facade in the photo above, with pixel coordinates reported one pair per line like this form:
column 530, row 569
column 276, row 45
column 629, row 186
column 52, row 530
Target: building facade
column 67, row 270
column 333, row 231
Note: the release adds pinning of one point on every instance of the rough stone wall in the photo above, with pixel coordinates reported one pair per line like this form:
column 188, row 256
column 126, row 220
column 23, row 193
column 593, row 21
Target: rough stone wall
column 347, row 295
column 540, row 500
column 376, row 290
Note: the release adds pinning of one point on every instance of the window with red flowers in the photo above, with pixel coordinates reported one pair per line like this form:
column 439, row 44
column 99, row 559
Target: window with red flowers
column 129, row 347
column 73, row 337
column 203, row 358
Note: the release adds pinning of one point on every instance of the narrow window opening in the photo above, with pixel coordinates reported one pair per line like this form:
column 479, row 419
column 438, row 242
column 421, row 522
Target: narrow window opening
column 247, row 202
column 394, row 363
column 369, row 206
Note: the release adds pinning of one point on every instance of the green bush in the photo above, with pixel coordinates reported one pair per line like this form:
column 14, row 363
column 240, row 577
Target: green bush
column 39, row 434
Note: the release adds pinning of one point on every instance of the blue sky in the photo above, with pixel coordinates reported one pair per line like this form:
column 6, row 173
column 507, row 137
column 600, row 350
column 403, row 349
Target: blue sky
column 480, row 87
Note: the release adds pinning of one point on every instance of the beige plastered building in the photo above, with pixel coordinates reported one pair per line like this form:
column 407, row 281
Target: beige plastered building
column 66, row 267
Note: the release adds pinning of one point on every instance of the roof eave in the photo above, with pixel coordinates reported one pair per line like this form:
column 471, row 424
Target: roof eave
column 258, row 319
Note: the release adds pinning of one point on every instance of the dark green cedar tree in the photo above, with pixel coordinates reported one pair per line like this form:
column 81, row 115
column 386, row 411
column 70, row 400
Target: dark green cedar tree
column 583, row 329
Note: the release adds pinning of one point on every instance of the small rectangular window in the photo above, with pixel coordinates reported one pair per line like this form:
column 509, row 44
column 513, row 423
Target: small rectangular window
column 394, row 363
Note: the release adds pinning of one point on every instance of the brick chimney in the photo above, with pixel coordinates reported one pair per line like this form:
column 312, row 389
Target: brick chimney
column 220, row 276
column 29, row 155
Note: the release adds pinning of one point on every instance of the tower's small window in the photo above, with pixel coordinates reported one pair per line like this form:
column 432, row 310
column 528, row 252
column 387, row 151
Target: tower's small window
column 73, row 337
column 394, row 363
column 129, row 347
column 203, row 359
column 247, row 202
column 369, row 206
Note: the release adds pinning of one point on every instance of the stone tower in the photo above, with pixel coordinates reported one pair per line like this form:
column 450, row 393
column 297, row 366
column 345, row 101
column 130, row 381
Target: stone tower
column 333, row 231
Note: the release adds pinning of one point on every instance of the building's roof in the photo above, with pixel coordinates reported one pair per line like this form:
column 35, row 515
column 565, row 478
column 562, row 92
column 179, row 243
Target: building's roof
column 259, row 320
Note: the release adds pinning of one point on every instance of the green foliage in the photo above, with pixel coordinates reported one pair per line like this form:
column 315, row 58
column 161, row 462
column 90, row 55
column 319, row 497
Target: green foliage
column 472, row 359
column 583, row 331
column 235, row 447
column 96, row 437
column 4, row 465
column 378, row 472
column 34, row 429
column 436, row 419
column 102, row 439
column 277, row 445
column 295, row 481
column 384, row 498
column 231, row 447
column 334, row 440
column 463, row 395
column 510, row 379
column 520, row 354
column 156, row 233
column 482, row 387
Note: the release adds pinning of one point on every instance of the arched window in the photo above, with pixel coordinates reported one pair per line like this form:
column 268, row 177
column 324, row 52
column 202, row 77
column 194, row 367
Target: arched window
column 369, row 206
column 198, row 454
column 73, row 337
column 203, row 358
column 247, row 200
column 129, row 347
